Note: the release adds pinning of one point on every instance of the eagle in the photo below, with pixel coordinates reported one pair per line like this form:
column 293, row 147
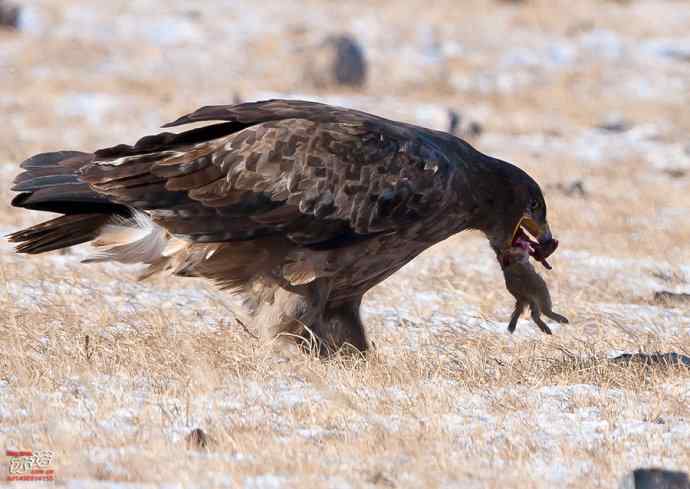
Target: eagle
column 299, row 207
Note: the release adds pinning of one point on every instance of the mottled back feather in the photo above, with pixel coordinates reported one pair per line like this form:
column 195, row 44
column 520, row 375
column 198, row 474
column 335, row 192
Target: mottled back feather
column 275, row 192
column 306, row 171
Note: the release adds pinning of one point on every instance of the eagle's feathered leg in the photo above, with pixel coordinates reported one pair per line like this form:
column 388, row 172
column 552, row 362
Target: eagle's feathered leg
column 341, row 328
column 293, row 311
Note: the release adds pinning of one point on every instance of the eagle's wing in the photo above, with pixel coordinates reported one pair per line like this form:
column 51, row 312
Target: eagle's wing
column 310, row 172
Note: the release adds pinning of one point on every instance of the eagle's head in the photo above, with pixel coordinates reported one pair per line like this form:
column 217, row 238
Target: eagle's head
column 518, row 217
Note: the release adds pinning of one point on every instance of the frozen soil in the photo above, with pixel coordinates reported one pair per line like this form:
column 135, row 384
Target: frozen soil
column 113, row 374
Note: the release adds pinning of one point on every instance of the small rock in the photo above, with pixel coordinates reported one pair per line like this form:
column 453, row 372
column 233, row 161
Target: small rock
column 673, row 50
column 193, row 14
column 572, row 189
column 453, row 121
column 675, row 172
column 9, row 15
column 580, row 26
column 576, row 188
column 668, row 297
column 649, row 359
column 379, row 479
column 197, row 439
column 615, row 124
column 338, row 60
column 472, row 131
column 655, row 478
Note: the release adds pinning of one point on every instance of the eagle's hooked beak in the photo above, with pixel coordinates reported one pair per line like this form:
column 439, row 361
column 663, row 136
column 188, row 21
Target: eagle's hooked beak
column 540, row 231
column 545, row 244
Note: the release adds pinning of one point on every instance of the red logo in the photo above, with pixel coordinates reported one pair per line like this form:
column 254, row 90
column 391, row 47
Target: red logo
column 27, row 465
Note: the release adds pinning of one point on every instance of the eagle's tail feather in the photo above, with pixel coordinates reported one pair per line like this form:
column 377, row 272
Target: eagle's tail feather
column 136, row 239
column 50, row 182
column 61, row 232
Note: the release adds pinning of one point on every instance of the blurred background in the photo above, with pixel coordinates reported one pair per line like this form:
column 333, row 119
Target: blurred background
column 592, row 80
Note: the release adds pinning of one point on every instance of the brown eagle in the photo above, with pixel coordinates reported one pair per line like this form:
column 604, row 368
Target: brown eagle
column 300, row 207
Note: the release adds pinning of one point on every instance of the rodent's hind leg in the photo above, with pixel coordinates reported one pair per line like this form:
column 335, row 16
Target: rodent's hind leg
column 519, row 308
column 536, row 317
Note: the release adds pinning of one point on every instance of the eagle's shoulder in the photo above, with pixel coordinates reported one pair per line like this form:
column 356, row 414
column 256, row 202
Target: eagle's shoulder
column 251, row 113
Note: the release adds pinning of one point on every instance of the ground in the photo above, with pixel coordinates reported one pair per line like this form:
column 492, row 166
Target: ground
column 589, row 97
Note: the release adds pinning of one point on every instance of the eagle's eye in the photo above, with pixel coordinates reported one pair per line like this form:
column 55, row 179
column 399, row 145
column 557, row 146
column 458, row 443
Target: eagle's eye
column 535, row 205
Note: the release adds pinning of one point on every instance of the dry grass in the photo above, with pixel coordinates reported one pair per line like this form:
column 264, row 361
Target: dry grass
column 114, row 374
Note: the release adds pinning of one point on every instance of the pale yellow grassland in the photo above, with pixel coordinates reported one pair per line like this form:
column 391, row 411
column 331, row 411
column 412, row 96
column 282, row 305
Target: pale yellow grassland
column 448, row 398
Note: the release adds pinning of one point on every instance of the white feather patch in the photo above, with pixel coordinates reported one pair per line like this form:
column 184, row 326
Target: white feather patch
column 174, row 246
column 131, row 240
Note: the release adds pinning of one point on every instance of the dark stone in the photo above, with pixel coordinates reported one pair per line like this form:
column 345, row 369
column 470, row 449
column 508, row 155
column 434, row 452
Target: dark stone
column 471, row 131
column 193, row 14
column 675, row 172
column 338, row 60
column 614, row 125
column 656, row 478
column 380, row 479
column 453, row 121
column 572, row 189
column 668, row 297
column 663, row 359
column 350, row 65
column 576, row 188
column 197, row 439
column 9, row 15
column 474, row 129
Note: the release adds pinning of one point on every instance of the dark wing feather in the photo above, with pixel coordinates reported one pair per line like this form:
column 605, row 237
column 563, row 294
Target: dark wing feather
column 251, row 113
column 311, row 172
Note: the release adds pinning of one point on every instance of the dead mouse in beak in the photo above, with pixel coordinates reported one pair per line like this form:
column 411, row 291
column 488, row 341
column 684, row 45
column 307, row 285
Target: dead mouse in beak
column 528, row 288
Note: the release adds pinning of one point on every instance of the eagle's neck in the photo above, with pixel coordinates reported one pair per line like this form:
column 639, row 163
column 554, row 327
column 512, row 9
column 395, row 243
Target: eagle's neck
column 481, row 187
